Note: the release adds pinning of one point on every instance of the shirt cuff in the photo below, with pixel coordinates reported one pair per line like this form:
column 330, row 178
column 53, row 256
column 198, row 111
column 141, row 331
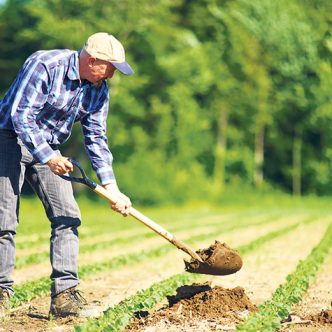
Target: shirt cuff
column 106, row 175
column 43, row 153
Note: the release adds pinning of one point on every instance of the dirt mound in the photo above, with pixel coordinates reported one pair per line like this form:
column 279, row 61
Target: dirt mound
column 196, row 303
column 324, row 317
column 218, row 259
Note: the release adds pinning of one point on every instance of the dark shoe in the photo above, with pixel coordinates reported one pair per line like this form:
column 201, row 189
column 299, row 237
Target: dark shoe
column 4, row 302
column 70, row 303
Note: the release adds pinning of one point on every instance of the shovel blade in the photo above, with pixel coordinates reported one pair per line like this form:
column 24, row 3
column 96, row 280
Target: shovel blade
column 218, row 259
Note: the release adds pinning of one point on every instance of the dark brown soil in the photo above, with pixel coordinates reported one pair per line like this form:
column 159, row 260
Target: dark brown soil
column 324, row 317
column 198, row 302
column 218, row 259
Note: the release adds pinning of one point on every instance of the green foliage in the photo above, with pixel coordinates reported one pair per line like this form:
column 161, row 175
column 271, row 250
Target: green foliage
column 152, row 173
column 224, row 92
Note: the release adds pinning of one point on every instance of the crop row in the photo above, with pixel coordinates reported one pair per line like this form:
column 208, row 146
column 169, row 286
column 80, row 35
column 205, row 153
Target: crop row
column 117, row 317
column 120, row 227
column 137, row 237
column 29, row 290
column 87, row 230
column 273, row 311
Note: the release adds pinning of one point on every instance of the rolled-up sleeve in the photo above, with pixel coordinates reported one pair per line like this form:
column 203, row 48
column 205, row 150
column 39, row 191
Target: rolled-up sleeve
column 96, row 143
column 29, row 100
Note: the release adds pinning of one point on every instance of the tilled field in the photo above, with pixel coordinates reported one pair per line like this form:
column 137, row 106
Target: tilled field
column 136, row 280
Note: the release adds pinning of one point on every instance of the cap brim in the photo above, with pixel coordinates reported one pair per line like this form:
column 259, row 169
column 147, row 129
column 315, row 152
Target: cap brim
column 123, row 67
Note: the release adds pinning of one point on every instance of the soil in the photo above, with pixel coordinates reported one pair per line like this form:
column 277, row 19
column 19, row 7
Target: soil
column 319, row 322
column 113, row 286
column 218, row 259
column 198, row 302
column 324, row 317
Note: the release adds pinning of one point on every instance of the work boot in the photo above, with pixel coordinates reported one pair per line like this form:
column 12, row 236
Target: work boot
column 4, row 302
column 70, row 303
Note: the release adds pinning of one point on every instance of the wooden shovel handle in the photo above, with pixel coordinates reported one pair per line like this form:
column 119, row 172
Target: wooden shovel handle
column 149, row 223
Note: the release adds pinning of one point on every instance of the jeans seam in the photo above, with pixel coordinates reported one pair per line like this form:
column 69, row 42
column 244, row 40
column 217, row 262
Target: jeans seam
column 45, row 193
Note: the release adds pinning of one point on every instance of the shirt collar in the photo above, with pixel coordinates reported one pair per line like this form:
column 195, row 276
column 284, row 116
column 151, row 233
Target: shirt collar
column 73, row 69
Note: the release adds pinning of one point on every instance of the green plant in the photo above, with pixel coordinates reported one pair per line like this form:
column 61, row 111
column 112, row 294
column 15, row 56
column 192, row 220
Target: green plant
column 273, row 311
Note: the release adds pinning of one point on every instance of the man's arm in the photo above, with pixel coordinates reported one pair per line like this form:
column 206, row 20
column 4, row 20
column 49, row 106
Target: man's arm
column 32, row 91
column 96, row 145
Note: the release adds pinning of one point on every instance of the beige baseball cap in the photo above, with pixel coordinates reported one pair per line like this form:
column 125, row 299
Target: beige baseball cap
column 104, row 46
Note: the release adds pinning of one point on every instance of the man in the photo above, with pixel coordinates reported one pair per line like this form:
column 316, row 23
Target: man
column 53, row 90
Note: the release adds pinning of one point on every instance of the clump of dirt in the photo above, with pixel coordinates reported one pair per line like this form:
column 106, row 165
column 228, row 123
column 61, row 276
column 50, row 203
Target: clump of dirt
column 196, row 303
column 218, row 259
column 324, row 317
column 315, row 321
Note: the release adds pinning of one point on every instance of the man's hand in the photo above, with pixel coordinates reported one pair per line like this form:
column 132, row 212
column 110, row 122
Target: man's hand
column 60, row 165
column 123, row 203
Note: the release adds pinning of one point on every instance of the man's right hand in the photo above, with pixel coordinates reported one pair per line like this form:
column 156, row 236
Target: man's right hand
column 123, row 203
column 60, row 165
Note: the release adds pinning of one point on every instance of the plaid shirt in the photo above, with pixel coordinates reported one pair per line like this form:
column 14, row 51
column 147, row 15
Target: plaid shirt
column 45, row 100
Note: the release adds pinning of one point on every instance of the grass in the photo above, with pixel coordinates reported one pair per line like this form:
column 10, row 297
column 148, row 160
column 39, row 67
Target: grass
column 98, row 215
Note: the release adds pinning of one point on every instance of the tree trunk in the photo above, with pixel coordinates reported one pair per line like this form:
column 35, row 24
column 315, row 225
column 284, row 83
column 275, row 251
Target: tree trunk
column 259, row 155
column 297, row 163
column 220, row 150
column 262, row 118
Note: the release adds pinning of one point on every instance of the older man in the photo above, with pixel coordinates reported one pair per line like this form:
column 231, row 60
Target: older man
column 53, row 90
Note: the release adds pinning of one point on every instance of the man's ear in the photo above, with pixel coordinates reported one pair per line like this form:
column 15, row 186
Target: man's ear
column 91, row 61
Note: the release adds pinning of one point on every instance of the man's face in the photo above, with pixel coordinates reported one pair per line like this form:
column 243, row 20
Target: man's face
column 99, row 70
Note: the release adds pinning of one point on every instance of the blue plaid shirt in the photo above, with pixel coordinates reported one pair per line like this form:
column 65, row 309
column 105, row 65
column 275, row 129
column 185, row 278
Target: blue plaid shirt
column 45, row 100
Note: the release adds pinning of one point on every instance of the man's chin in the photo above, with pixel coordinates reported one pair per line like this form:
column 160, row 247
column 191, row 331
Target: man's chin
column 98, row 84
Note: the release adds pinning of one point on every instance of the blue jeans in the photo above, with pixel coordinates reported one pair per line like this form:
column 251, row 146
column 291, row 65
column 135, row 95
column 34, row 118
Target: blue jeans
column 56, row 194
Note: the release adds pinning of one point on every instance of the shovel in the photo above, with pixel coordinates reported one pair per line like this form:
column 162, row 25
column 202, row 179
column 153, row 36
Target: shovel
column 218, row 259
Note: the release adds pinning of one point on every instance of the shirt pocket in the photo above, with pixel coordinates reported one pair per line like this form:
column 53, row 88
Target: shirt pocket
column 49, row 113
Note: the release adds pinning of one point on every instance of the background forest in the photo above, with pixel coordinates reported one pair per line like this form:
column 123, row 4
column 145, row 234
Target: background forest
column 225, row 93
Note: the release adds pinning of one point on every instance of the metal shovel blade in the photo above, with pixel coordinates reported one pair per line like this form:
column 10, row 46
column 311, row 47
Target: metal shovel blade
column 218, row 259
